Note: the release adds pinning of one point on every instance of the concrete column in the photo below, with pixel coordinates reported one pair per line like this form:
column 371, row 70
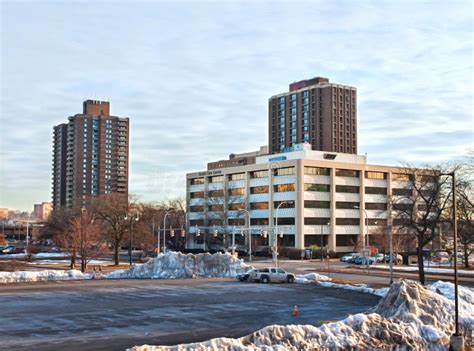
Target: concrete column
column 332, row 228
column 362, row 219
column 299, row 206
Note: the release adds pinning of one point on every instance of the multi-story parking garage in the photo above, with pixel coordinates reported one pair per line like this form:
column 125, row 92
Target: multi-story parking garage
column 307, row 197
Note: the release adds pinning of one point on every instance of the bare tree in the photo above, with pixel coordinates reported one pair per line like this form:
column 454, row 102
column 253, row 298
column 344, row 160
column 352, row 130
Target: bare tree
column 110, row 210
column 57, row 228
column 420, row 206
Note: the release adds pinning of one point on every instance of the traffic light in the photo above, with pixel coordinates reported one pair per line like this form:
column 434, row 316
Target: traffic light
column 215, row 233
column 198, row 231
column 183, row 232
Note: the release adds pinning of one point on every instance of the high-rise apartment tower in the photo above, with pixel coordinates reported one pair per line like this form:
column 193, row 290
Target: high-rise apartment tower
column 314, row 111
column 90, row 156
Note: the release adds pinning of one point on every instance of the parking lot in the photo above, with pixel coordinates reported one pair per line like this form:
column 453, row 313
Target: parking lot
column 104, row 315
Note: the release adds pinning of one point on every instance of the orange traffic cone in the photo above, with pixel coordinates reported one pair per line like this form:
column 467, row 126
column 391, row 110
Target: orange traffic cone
column 296, row 311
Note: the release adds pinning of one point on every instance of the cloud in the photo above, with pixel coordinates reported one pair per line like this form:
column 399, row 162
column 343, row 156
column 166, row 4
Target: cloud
column 195, row 77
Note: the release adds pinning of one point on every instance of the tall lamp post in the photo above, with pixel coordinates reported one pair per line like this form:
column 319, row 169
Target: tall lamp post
column 322, row 241
column 131, row 217
column 275, row 252
column 457, row 341
column 367, row 234
column 164, row 228
column 249, row 231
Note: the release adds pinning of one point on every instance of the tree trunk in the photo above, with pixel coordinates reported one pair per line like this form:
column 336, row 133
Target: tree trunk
column 73, row 259
column 83, row 264
column 421, row 267
column 116, row 253
column 466, row 257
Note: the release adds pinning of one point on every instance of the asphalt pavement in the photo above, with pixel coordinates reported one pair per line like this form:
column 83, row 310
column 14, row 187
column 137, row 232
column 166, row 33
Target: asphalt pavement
column 117, row 314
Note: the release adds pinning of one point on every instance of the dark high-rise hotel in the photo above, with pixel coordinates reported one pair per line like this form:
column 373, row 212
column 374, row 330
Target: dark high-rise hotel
column 90, row 156
column 314, row 111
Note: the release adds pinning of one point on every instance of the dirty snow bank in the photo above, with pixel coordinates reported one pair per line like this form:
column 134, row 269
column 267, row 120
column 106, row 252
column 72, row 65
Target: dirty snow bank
column 45, row 275
column 172, row 265
column 408, row 317
column 325, row 281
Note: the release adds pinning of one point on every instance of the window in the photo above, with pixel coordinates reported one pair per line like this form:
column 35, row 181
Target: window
column 402, row 176
column 375, row 190
column 402, row 192
column 402, row 222
column 258, row 221
column 216, row 193
column 346, row 240
column 285, row 204
column 375, row 175
column 316, row 171
column 347, row 189
column 317, row 187
column 317, row 204
column 237, row 176
column 196, row 222
column 218, row 207
column 196, row 181
column 376, row 206
column 259, row 174
column 286, row 221
column 196, row 208
column 403, row 207
column 216, row 179
column 263, row 189
column 283, row 187
column 197, row 195
column 347, row 221
column 216, row 222
column 259, row 205
column 284, row 171
column 236, row 191
column 428, row 179
column 347, row 173
column 236, row 221
column 316, row 221
column 346, row 205
column 237, row 206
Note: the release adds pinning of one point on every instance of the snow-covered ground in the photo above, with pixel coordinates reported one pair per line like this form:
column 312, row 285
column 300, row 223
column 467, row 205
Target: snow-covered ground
column 172, row 265
column 409, row 316
column 68, row 262
column 446, row 270
column 45, row 275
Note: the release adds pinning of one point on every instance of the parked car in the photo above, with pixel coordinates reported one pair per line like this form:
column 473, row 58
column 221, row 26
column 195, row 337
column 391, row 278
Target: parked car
column 9, row 250
column 397, row 259
column 271, row 275
column 348, row 257
column 354, row 258
column 379, row 257
column 244, row 277
column 363, row 260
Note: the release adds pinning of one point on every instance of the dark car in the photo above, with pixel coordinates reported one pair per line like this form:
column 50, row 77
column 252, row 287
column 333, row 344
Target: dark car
column 363, row 260
column 244, row 277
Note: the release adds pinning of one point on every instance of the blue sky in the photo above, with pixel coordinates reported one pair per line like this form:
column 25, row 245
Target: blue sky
column 207, row 68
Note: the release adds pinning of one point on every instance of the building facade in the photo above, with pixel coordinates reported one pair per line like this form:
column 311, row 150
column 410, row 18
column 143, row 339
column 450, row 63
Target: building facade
column 90, row 156
column 307, row 197
column 42, row 211
column 314, row 111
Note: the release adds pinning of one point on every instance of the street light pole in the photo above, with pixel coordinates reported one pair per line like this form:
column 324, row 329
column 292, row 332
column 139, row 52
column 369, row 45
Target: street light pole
column 164, row 228
column 250, row 233
column 275, row 253
column 130, row 216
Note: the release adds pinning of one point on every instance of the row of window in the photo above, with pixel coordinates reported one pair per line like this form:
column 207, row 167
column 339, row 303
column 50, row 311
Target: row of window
column 314, row 171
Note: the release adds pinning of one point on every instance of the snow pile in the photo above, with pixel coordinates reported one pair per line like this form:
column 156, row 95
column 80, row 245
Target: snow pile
column 311, row 278
column 45, row 275
column 409, row 316
column 325, row 281
column 172, row 265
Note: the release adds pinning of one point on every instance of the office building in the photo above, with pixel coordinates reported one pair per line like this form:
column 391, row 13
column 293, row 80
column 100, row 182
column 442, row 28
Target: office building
column 42, row 211
column 318, row 197
column 90, row 156
column 314, row 111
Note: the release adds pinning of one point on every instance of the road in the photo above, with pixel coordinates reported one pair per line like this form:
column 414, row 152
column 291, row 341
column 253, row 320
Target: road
column 343, row 271
column 116, row 314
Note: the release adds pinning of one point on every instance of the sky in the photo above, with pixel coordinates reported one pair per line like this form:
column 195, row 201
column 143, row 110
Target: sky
column 195, row 77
